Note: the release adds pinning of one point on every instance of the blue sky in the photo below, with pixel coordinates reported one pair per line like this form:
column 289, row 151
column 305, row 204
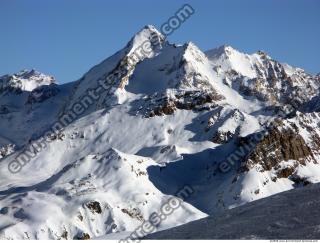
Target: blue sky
column 65, row 38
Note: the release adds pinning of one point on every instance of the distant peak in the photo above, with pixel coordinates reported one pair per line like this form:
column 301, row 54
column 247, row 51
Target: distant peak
column 224, row 49
column 147, row 32
column 25, row 73
column 26, row 80
column 150, row 27
column 263, row 54
column 192, row 48
column 227, row 47
column 190, row 45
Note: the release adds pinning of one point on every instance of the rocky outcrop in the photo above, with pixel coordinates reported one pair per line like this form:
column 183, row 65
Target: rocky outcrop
column 225, row 124
column 6, row 150
column 277, row 146
column 222, row 137
column 94, row 207
column 287, row 145
column 186, row 100
column 133, row 213
column 82, row 236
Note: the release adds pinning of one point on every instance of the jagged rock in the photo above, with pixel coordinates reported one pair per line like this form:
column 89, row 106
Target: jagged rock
column 166, row 109
column 82, row 236
column 133, row 213
column 222, row 137
column 286, row 172
column 94, row 206
column 190, row 100
column 277, row 146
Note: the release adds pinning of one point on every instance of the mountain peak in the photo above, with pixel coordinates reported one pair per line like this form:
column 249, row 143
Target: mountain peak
column 190, row 44
column 263, row 54
column 225, row 49
column 148, row 34
column 150, row 27
column 193, row 53
column 26, row 73
column 26, row 80
column 148, row 30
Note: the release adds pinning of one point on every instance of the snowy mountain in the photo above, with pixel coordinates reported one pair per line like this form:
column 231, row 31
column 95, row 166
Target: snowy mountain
column 24, row 81
column 260, row 76
column 170, row 118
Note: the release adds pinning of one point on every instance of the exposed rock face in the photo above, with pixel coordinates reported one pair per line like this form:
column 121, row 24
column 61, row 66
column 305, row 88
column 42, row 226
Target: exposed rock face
column 222, row 137
column 277, row 146
column 94, row 207
column 133, row 213
column 286, row 172
column 186, row 100
column 83, row 236
column 277, row 87
column 283, row 143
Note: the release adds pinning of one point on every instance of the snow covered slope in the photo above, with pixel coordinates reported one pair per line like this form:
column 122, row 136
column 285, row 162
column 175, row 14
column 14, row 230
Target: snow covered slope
column 168, row 119
column 287, row 215
column 96, row 195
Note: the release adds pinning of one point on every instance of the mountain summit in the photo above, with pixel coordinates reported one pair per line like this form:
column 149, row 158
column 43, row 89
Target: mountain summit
column 25, row 80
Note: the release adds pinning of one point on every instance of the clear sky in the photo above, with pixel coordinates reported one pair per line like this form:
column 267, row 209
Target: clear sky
column 65, row 38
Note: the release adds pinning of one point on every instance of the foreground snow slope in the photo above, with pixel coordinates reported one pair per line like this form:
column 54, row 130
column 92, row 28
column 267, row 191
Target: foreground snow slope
column 167, row 121
column 287, row 215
